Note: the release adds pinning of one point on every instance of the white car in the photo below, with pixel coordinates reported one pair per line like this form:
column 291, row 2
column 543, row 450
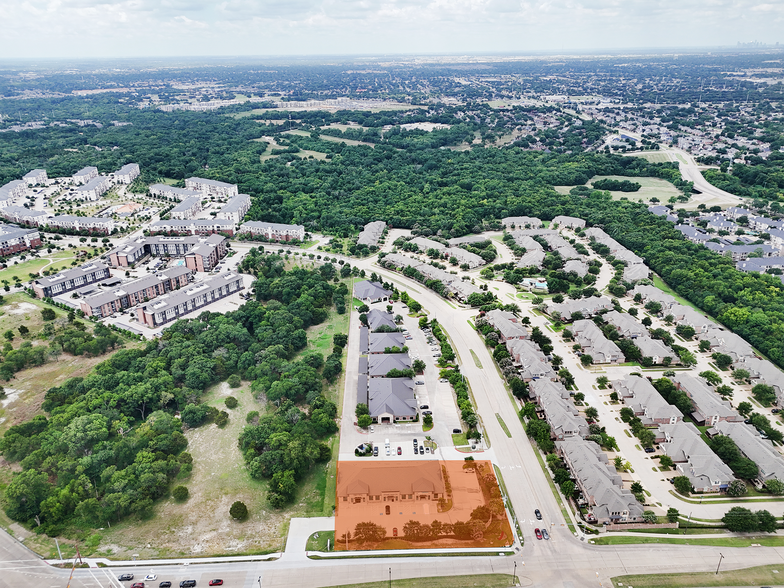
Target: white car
column 150, row 578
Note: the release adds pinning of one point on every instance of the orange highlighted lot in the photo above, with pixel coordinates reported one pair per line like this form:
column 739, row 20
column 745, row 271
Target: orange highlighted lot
column 419, row 505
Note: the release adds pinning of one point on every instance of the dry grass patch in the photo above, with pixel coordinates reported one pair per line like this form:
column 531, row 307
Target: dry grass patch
column 757, row 576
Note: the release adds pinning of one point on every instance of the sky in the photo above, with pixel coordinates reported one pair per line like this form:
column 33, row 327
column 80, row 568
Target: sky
column 141, row 28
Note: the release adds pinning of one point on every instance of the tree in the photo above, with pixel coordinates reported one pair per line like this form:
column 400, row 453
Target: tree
column 369, row 532
column 740, row 375
column 666, row 461
column 234, row 381
column 339, row 340
column 711, row 377
column 567, row 488
column 365, row 421
column 427, row 420
column 740, row 520
column 23, row 330
column 685, row 331
column 682, row 485
column 723, row 361
column 650, row 517
column 418, row 366
column 636, row 488
column 647, row 437
column 592, row 413
column 602, row 382
column 646, row 321
column 745, row 408
column 238, row 511
column 705, row 345
column 9, row 335
column 764, row 394
column 180, row 493
column 775, row 487
column 766, row 522
column 586, row 359
column 363, row 308
column 48, row 314
column 618, row 462
column 736, row 488
column 231, row 402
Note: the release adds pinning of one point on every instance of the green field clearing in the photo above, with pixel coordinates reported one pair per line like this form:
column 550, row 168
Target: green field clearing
column 651, row 188
column 483, row 580
column 757, row 576
column 651, row 156
column 459, row 439
column 320, row 543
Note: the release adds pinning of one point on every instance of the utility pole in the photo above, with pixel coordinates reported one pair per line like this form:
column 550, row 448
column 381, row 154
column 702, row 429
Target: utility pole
column 514, row 575
column 718, row 566
column 390, row 577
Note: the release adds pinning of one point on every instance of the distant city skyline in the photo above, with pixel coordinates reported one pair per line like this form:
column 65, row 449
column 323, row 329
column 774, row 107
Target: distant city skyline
column 139, row 28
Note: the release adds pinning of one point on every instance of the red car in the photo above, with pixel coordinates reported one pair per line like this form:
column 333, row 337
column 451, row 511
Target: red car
column 538, row 534
column 216, row 582
column 137, row 585
column 399, row 451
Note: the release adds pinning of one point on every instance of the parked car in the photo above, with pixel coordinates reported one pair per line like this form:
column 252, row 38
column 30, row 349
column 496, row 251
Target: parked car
column 775, row 410
column 137, row 585
column 375, row 451
column 545, row 534
column 165, row 584
column 650, row 450
column 150, row 578
column 427, row 412
column 216, row 582
column 444, row 381
column 187, row 583
column 457, row 431
column 421, row 450
column 538, row 514
column 427, row 450
column 125, row 577
column 420, row 383
column 424, row 407
column 538, row 534
column 400, row 451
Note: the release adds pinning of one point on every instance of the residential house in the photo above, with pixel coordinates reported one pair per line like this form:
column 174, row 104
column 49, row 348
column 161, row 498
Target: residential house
column 371, row 233
column 569, row 222
column 594, row 343
column 694, row 459
column 763, row 371
column 646, row 402
column 602, row 487
column 761, row 451
column 521, row 222
column 463, row 257
column 587, row 307
column 507, row 325
column 656, row 350
column 533, row 364
column 636, row 272
column 370, row 292
column 577, row 266
column 462, row 289
column 560, row 413
column 626, row 325
column 708, row 406
column 424, row 244
column 534, row 258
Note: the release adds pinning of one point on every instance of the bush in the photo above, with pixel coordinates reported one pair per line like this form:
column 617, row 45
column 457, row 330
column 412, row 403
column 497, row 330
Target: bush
column 234, row 382
column 222, row 419
column 180, row 493
column 365, row 421
column 47, row 314
column 231, row 402
column 238, row 511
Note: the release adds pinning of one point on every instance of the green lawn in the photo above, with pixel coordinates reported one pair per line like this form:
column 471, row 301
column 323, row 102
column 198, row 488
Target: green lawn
column 503, row 425
column 757, row 576
column 459, row 439
column 767, row 541
column 483, row 580
column 320, row 543
column 476, row 360
column 58, row 259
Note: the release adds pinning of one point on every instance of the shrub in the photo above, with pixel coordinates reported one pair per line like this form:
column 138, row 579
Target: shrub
column 238, row 511
column 231, row 402
column 180, row 493
column 252, row 417
column 222, row 419
column 234, row 382
column 365, row 421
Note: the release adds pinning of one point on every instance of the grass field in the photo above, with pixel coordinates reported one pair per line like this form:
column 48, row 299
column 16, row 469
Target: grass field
column 757, row 576
column 651, row 156
column 481, row 580
column 767, row 541
column 651, row 188
column 58, row 259
column 320, row 543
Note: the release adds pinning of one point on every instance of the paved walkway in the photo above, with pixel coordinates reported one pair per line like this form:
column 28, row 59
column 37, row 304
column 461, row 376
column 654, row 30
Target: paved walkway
column 300, row 530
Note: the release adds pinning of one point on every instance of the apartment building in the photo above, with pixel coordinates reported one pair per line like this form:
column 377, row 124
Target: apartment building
column 24, row 216
column 37, row 177
column 71, row 279
column 133, row 252
column 15, row 239
column 235, row 209
column 193, row 227
column 12, row 191
column 187, row 209
column 174, row 305
column 274, row 231
column 211, row 187
column 81, row 223
column 207, row 254
column 93, row 189
column 84, row 175
column 127, row 173
column 171, row 192
column 135, row 292
column 569, row 222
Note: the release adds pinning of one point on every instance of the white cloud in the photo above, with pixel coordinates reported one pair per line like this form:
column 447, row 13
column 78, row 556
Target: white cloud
column 40, row 28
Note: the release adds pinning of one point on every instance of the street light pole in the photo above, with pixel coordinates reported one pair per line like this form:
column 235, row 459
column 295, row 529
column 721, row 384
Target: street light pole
column 259, row 581
column 718, row 566
column 390, row 577
column 514, row 576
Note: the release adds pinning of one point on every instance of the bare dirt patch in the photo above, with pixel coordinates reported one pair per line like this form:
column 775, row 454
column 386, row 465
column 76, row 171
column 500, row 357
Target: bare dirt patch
column 21, row 308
